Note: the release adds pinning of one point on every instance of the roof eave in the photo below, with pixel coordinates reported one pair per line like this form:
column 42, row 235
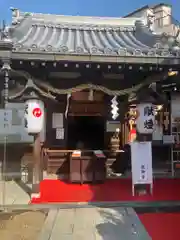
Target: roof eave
column 170, row 60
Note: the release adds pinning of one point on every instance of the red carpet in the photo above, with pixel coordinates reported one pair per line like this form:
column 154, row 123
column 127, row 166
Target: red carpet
column 162, row 226
column 111, row 190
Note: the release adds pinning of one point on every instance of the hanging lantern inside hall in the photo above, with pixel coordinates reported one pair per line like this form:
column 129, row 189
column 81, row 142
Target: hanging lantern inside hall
column 34, row 116
column 145, row 121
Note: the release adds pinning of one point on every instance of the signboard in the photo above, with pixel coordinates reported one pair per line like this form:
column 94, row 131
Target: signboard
column 14, row 121
column 112, row 126
column 7, row 119
column 34, row 116
column 145, row 118
column 57, row 120
column 141, row 163
column 59, row 133
column 12, row 125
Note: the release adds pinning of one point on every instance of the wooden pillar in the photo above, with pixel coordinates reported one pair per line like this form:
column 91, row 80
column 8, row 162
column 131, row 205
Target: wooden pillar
column 37, row 164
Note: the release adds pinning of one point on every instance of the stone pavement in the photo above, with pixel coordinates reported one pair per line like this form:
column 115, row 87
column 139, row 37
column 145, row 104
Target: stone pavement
column 14, row 194
column 93, row 224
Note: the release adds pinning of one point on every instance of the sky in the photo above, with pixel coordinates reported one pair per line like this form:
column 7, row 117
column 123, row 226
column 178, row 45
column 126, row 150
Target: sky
column 107, row 8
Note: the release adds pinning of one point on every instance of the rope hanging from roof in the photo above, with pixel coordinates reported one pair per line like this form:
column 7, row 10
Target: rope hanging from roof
column 47, row 90
column 41, row 92
column 148, row 81
column 30, row 85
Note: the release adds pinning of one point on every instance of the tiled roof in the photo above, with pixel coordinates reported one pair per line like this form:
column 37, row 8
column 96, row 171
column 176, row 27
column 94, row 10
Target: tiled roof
column 86, row 36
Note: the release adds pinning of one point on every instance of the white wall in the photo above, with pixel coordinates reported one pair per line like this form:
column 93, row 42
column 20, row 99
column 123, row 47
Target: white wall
column 16, row 132
column 163, row 15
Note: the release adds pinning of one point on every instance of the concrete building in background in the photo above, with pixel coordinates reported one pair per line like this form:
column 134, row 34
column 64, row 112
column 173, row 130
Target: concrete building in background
column 162, row 18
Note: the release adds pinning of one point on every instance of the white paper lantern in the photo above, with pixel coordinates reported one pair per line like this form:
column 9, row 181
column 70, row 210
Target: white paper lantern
column 145, row 121
column 34, row 116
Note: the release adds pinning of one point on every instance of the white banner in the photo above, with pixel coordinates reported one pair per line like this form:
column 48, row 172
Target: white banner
column 146, row 118
column 141, row 163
